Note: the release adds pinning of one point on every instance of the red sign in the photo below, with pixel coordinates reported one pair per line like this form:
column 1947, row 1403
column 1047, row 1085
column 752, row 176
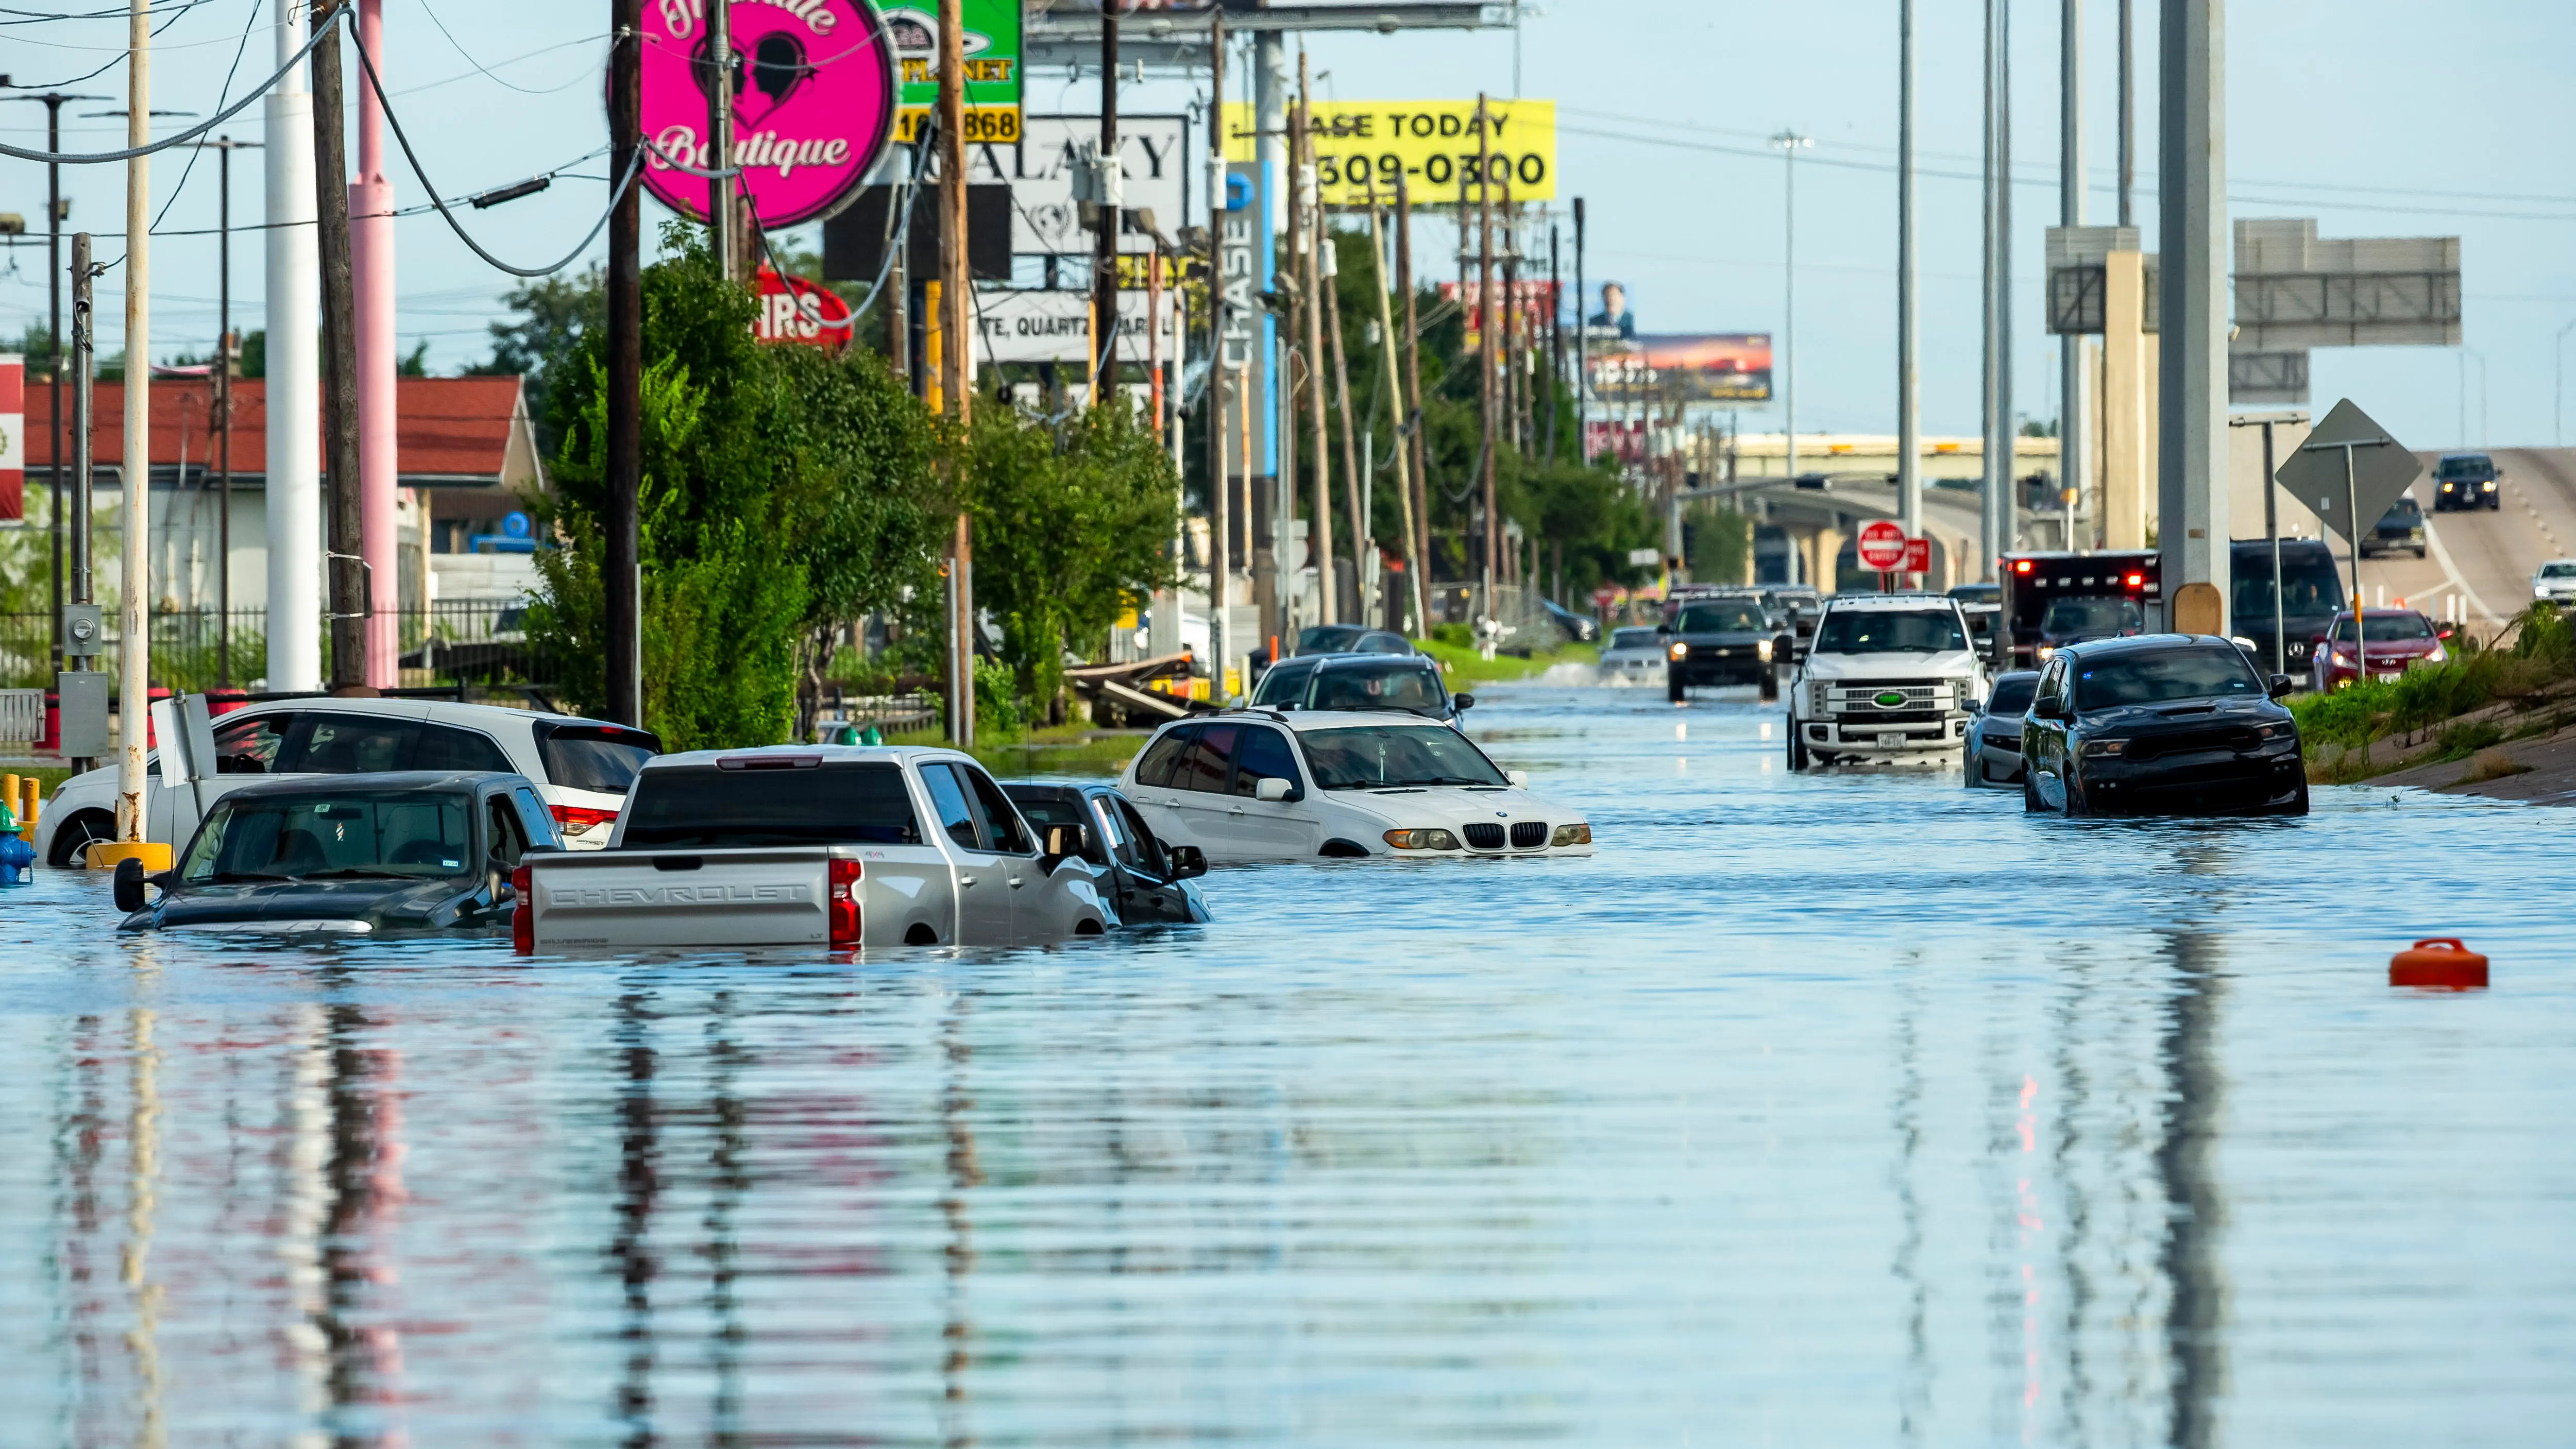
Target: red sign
column 13, row 440
column 1603, row 598
column 793, row 309
column 1881, row 545
column 1918, row 556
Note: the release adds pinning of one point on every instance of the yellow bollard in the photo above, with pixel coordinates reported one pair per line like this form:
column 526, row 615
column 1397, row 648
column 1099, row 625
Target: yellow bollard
column 27, row 817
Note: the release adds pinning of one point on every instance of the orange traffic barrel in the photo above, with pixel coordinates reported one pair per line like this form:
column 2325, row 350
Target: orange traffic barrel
column 2444, row 963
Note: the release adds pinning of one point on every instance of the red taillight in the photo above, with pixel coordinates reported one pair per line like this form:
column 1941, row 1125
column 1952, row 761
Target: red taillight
column 575, row 820
column 2022, row 567
column 523, row 916
column 844, row 903
column 2137, row 581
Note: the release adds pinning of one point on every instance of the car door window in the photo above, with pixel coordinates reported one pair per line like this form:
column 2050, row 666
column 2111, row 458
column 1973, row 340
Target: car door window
column 509, row 840
column 1155, row 769
column 1112, row 832
column 1208, row 761
column 347, row 744
column 948, row 802
column 250, row 746
column 1002, row 823
column 1264, row 755
column 443, row 747
column 1147, row 850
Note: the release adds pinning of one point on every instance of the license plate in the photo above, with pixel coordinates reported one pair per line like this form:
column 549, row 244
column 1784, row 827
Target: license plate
column 1891, row 739
column 2389, row 678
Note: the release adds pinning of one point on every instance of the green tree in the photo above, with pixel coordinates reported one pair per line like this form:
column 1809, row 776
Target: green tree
column 555, row 315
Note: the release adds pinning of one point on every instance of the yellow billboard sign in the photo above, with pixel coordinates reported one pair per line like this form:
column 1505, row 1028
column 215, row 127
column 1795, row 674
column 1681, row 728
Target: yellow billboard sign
column 1364, row 145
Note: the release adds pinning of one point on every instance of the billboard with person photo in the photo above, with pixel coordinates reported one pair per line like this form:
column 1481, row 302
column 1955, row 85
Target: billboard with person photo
column 1728, row 367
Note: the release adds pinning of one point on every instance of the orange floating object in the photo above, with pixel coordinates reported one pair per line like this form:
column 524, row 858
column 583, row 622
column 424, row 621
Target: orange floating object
column 2444, row 963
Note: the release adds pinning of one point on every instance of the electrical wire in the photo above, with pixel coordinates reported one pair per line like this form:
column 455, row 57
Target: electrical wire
column 239, row 50
column 193, row 132
column 432, row 13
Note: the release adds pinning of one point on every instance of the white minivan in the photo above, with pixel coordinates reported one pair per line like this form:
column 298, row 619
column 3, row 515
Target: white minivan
column 580, row 766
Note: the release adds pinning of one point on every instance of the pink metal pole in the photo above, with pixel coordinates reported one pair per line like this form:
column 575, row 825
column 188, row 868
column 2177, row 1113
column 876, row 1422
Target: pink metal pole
column 371, row 265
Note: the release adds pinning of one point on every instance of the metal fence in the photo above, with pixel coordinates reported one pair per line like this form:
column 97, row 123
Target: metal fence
column 1526, row 624
column 465, row 641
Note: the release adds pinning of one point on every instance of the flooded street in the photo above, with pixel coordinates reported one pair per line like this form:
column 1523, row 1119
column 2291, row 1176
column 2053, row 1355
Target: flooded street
column 1852, row 1109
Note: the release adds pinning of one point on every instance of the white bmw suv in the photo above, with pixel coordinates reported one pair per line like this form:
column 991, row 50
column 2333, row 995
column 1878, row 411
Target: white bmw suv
column 581, row 767
column 1258, row 784
column 1889, row 677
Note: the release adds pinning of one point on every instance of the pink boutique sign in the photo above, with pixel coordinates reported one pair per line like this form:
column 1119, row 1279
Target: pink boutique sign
column 814, row 102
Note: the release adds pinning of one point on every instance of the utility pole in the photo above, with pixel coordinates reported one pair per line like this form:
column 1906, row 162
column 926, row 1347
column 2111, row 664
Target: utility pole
column 371, row 271
column 1995, row 502
column 291, row 503
column 1582, row 347
column 81, row 654
column 1310, row 305
column 53, row 103
column 1412, row 411
column 956, row 325
column 1219, row 487
column 2191, row 212
column 2128, row 112
column 1486, row 402
column 1104, row 246
column 1909, row 370
column 349, row 584
column 623, row 585
column 723, row 233
column 2073, row 420
column 1555, row 340
column 134, row 618
column 1790, row 144
column 1388, row 361
column 1364, row 569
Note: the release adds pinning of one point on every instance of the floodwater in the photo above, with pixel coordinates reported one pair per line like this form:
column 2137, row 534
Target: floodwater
column 1849, row 1110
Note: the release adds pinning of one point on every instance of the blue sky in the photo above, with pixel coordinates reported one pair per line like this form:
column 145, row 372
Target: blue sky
column 2373, row 117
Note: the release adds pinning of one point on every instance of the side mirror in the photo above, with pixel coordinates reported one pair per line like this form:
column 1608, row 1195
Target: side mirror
column 2281, row 685
column 1463, row 701
column 129, row 885
column 1188, row 861
column 1273, row 790
column 1519, row 779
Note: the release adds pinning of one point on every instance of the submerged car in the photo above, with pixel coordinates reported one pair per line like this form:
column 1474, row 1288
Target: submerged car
column 1267, row 785
column 1635, row 656
column 1719, row 642
column 2162, row 723
column 1148, row 881
column 1992, row 757
column 1351, row 639
column 1362, row 682
column 351, row 855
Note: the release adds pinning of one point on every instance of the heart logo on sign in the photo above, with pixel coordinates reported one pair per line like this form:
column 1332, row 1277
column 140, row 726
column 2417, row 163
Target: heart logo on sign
column 778, row 68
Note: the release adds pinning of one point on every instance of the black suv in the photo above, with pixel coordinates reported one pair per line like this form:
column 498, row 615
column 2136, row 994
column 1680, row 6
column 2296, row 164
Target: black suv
column 1719, row 641
column 1410, row 683
column 2164, row 723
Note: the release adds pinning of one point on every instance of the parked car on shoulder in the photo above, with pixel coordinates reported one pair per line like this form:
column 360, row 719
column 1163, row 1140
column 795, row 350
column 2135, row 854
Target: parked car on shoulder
column 1351, row 639
column 2160, row 723
column 1260, row 785
column 814, row 845
column 2399, row 530
column 1992, row 755
column 348, row 855
column 581, row 767
column 1148, row 881
column 2466, row 480
column 1361, row 682
column 1581, row 628
column 2393, row 641
column 1719, row 641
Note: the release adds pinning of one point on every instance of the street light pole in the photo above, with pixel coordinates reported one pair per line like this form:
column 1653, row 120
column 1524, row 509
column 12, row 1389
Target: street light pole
column 1909, row 377
column 1790, row 144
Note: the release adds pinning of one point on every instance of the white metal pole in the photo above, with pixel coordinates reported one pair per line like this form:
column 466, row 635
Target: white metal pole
column 2073, row 418
column 293, row 495
column 1790, row 143
column 1909, row 389
column 134, row 647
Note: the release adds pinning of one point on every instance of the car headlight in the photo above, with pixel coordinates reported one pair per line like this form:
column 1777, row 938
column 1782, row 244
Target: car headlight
column 2104, row 747
column 2047, row 651
column 1572, row 835
column 1680, row 649
column 2490, row 487
column 2277, row 730
column 2437, row 656
column 1762, row 650
column 1422, row 840
column 2341, row 658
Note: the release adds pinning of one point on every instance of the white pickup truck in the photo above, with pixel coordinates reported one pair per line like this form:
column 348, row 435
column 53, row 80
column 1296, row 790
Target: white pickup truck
column 1889, row 677
column 812, row 845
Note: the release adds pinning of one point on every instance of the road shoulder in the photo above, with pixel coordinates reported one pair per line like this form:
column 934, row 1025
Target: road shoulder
column 2547, row 777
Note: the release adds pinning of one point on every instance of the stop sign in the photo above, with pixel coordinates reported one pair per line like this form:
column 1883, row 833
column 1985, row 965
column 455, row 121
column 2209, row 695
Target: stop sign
column 1604, row 598
column 1881, row 545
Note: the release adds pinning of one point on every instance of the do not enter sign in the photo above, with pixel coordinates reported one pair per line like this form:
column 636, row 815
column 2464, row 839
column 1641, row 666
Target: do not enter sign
column 1881, row 545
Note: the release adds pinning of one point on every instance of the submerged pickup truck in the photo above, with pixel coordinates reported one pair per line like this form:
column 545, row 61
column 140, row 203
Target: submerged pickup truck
column 805, row 845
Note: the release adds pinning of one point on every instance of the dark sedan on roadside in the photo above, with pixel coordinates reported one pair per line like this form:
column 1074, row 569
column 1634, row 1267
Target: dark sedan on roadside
column 1993, row 749
column 1150, row 883
column 348, row 855
column 2160, row 724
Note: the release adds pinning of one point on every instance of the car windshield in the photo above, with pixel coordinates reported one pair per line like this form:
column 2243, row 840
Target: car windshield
column 1632, row 638
column 1719, row 619
column 708, row 807
column 2012, row 696
column 1404, row 686
column 594, row 757
column 1890, row 631
column 2097, row 618
column 2564, row 569
column 2386, row 628
column 399, row 834
column 2313, row 588
column 2475, row 465
column 1328, row 638
column 2404, row 510
column 2159, row 676
column 1376, row 757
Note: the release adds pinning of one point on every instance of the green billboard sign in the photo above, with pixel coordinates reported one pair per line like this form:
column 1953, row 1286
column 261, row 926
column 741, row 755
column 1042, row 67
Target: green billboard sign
column 992, row 44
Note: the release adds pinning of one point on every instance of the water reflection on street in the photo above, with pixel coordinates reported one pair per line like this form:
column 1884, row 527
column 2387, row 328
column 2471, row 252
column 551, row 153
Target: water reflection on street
column 1835, row 1109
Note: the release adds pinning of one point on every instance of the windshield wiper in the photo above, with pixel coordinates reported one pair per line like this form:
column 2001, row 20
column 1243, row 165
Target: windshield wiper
column 227, row 877
column 355, row 872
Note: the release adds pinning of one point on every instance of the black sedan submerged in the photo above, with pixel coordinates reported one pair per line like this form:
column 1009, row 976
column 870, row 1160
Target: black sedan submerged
column 2164, row 723
column 349, row 855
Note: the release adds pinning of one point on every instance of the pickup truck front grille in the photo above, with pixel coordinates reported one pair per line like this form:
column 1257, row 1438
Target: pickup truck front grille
column 1876, row 698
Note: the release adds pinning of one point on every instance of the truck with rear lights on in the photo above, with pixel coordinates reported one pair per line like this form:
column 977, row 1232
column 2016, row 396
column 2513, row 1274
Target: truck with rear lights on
column 2051, row 600
column 799, row 845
